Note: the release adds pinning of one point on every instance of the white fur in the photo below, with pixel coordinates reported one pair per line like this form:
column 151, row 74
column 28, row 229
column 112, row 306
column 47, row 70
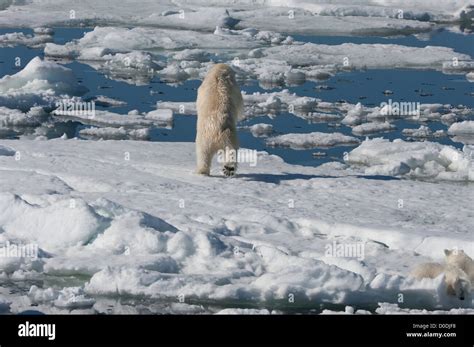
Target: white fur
column 457, row 282
column 428, row 270
column 460, row 259
column 219, row 105
column 458, row 273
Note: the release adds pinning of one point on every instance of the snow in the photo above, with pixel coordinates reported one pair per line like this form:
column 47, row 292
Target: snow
column 359, row 114
column 372, row 128
column 39, row 39
column 462, row 128
column 422, row 9
column 422, row 132
column 105, row 101
column 116, row 219
column 33, row 117
column 364, row 55
column 159, row 118
column 125, row 53
column 387, row 308
column 121, row 133
column 135, row 219
column 103, row 42
column 58, row 225
column 246, row 311
column 307, row 23
column 205, row 16
column 261, row 129
column 136, row 55
column 311, row 140
column 317, row 61
column 69, row 297
column 413, row 159
column 39, row 83
column 258, row 104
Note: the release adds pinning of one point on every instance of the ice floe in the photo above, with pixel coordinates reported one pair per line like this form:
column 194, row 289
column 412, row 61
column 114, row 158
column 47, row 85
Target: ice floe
column 372, row 128
column 261, row 129
column 296, row 17
column 274, row 59
column 462, row 128
column 39, row 39
column 413, row 159
column 159, row 118
column 110, row 133
column 40, row 83
column 312, row 140
column 118, row 227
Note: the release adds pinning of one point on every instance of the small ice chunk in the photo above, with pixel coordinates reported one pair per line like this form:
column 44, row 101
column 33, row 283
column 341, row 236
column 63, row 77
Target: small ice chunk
column 422, row 132
column 462, row 128
column 312, row 140
column 161, row 116
column 414, row 159
column 372, row 128
column 261, row 129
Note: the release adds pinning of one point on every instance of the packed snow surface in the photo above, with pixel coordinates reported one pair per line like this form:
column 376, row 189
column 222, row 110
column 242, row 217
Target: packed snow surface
column 322, row 17
column 114, row 220
column 132, row 218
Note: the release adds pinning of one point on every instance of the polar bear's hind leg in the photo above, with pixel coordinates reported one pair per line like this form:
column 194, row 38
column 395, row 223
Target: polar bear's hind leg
column 204, row 154
column 231, row 149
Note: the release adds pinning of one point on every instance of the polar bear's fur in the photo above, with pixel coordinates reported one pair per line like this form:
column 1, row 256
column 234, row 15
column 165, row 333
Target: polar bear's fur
column 427, row 270
column 457, row 282
column 461, row 260
column 457, row 273
column 219, row 105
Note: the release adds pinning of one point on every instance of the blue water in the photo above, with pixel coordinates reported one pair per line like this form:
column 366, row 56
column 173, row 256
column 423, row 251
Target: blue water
column 367, row 87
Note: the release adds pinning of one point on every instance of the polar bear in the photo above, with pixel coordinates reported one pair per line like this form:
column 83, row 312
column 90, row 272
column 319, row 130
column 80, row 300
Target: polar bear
column 457, row 257
column 219, row 105
column 457, row 281
column 427, row 270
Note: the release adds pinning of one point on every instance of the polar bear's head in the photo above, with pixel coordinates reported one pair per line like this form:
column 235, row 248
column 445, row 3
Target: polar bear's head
column 457, row 257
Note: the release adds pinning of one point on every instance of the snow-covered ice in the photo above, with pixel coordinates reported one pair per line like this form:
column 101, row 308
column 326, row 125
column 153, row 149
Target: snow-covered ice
column 422, row 132
column 311, row 140
column 110, row 133
column 261, row 129
column 40, row 37
column 138, row 54
column 159, row 118
column 415, row 159
column 40, row 83
column 462, row 128
column 307, row 17
column 372, row 128
column 112, row 219
column 111, row 212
